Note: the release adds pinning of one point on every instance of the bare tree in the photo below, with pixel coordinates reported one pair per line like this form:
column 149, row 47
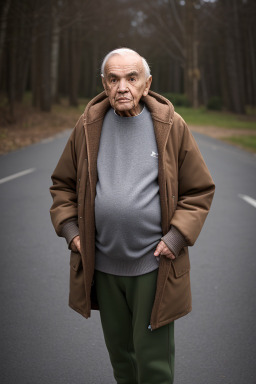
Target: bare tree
column 3, row 27
column 191, row 66
column 55, row 48
column 200, row 48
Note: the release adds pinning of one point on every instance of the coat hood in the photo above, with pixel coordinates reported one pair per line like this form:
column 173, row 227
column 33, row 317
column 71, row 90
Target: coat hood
column 161, row 109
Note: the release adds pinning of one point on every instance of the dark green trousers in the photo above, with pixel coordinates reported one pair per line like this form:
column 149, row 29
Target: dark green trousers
column 138, row 355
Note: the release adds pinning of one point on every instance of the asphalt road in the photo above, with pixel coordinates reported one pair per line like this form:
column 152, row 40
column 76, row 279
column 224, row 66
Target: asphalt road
column 45, row 342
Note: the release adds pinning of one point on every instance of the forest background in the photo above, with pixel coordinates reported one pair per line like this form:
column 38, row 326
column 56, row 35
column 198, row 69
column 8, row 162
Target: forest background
column 202, row 56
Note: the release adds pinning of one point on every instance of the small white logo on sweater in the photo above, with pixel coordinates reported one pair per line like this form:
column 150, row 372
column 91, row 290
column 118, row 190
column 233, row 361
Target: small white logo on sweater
column 154, row 154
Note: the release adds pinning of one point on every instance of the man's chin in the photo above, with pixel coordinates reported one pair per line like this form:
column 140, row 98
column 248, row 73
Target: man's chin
column 123, row 111
column 124, row 106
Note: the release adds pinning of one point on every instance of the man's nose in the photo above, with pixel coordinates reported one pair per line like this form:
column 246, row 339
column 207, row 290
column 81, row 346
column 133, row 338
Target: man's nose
column 122, row 85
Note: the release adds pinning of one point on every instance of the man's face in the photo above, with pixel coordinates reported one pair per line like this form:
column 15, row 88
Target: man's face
column 125, row 83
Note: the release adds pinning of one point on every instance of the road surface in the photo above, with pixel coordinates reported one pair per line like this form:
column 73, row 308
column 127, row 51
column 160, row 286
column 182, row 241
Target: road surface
column 45, row 342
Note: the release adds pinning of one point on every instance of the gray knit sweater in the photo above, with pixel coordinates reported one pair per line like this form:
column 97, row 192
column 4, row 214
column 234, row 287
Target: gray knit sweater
column 127, row 203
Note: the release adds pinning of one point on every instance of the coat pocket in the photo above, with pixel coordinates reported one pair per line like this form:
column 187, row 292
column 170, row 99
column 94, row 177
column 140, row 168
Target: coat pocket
column 181, row 264
column 176, row 293
column 77, row 298
column 75, row 260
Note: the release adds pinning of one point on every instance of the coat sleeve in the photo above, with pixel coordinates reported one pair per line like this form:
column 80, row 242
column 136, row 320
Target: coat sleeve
column 195, row 189
column 63, row 189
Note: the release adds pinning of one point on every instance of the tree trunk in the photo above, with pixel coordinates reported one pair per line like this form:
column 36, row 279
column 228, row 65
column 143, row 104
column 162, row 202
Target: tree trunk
column 232, row 61
column 252, row 79
column 223, row 77
column 11, row 73
column 35, row 74
column 74, row 67
column 45, row 59
column 23, row 55
column 95, row 57
column 177, row 87
column 192, row 73
column 65, row 63
column 204, row 88
column 239, row 52
column 55, row 55
column 155, row 77
column 196, row 74
column 232, row 74
column 35, row 63
column 3, row 27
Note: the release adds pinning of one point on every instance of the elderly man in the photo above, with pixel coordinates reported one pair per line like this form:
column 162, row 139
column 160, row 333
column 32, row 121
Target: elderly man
column 130, row 193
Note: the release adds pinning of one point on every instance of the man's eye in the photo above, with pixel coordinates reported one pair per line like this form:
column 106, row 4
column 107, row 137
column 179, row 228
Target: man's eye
column 113, row 81
column 132, row 79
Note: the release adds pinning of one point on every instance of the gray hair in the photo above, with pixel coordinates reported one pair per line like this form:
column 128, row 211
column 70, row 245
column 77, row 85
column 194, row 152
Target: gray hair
column 123, row 52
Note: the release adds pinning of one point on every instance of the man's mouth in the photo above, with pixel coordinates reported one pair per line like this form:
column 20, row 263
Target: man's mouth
column 123, row 99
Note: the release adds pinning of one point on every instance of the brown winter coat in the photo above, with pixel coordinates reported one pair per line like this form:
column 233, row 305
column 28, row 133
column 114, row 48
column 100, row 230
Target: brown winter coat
column 186, row 191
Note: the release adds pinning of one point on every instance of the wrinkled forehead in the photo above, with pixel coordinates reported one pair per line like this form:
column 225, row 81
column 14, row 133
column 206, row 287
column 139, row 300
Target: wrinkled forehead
column 124, row 64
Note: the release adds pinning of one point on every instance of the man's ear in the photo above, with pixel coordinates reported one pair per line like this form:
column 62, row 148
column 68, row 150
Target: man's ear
column 148, row 84
column 104, row 84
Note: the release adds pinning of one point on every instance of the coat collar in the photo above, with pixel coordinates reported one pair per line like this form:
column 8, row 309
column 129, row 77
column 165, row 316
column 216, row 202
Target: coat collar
column 160, row 108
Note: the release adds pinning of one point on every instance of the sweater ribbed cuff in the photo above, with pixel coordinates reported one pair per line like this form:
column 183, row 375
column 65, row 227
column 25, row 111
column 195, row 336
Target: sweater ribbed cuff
column 174, row 240
column 69, row 231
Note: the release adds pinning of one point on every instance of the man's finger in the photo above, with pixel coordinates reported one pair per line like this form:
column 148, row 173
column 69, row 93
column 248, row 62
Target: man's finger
column 73, row 247
column 165, row 251
column 170, row 256
column 77, row 243
column 159, row 248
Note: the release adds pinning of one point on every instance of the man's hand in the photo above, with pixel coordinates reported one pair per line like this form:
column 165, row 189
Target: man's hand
column 75, row 244
column 163, row 250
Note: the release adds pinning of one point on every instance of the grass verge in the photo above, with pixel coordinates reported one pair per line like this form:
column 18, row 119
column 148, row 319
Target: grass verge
column 247, row 142
column 227, row 120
